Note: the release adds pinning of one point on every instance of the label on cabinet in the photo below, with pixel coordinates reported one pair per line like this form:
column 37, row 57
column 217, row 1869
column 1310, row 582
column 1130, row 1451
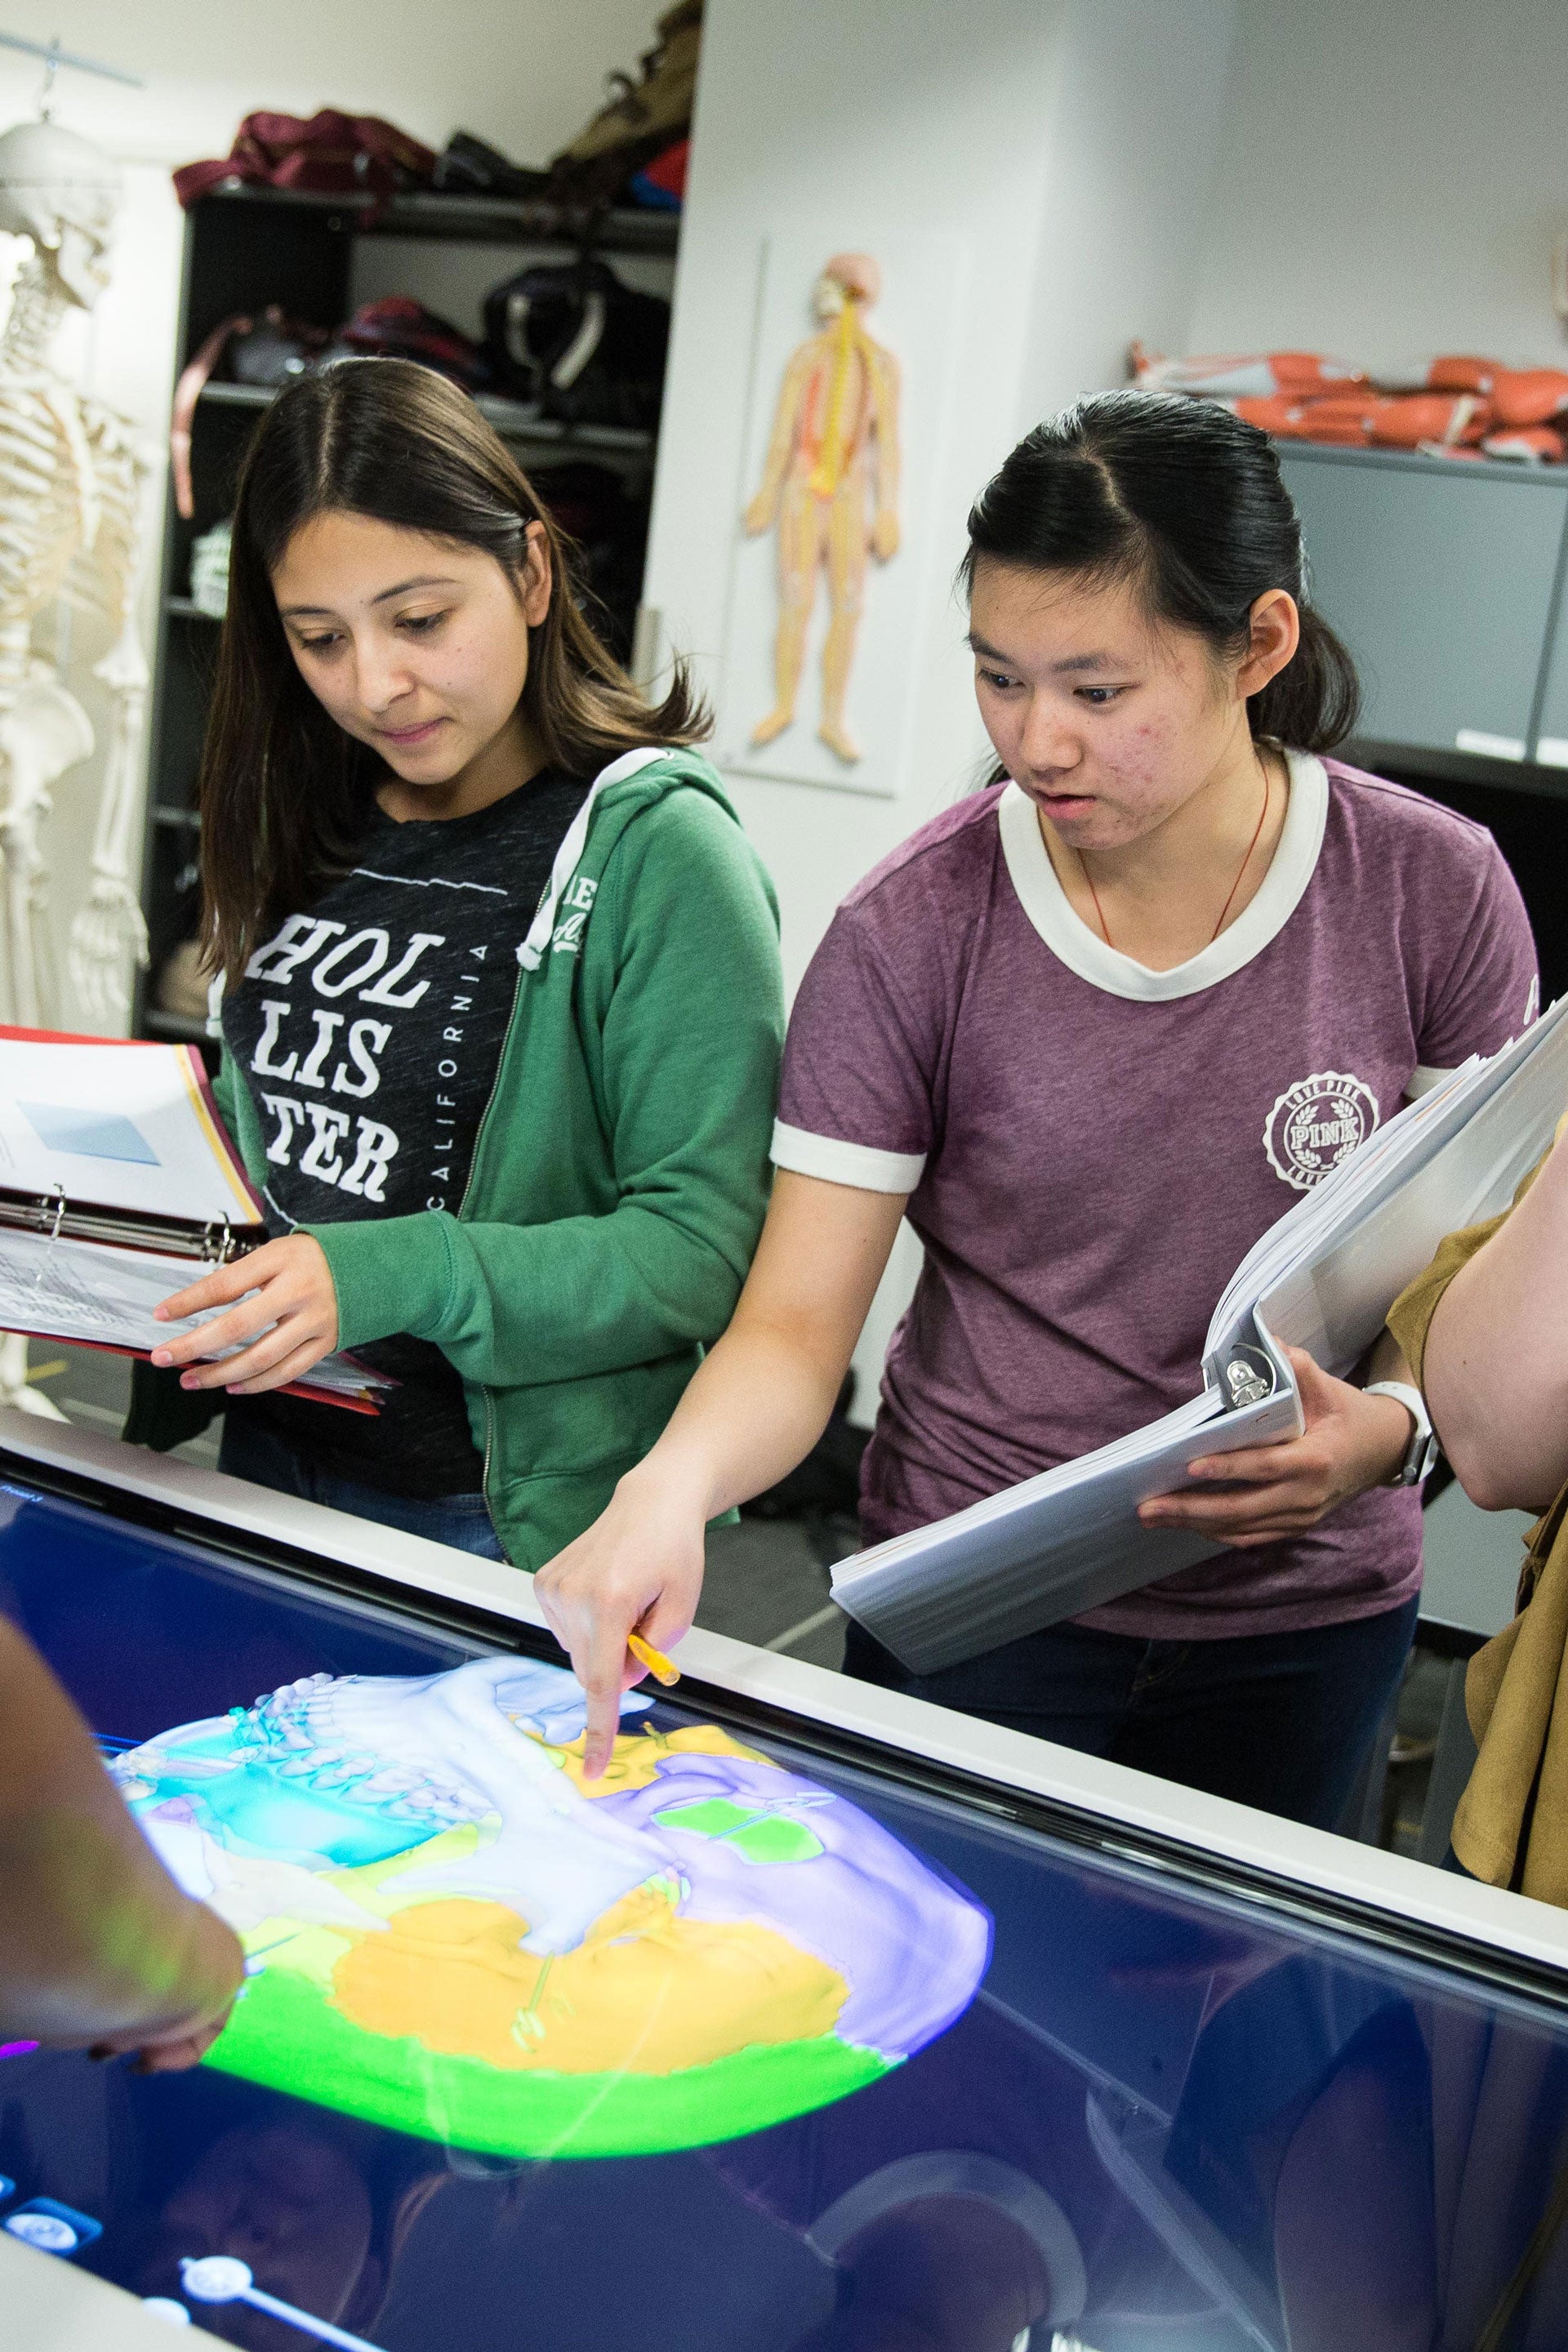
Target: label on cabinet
column 1490, row 747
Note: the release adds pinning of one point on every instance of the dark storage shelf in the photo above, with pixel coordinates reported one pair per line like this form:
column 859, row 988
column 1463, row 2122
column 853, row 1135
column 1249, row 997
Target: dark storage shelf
column 183, row 609
column 184, row 820
column 1421, row 461
column 175, row 1025
column 516, row 420
column 479, row 219
column 1545, row 778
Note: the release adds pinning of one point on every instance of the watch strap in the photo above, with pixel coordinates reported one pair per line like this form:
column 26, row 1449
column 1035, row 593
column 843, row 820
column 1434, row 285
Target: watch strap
column 1421, row 1451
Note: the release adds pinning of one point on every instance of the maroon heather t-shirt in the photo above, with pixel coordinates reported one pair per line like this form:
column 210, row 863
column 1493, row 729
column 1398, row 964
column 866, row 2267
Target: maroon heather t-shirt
column 1091, row 1147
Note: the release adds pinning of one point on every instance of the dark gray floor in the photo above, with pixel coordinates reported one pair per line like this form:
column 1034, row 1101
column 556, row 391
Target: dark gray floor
column 94, row 1389
column 767, row 1583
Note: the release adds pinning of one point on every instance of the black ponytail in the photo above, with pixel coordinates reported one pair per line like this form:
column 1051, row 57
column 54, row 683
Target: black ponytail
column 1185, row 500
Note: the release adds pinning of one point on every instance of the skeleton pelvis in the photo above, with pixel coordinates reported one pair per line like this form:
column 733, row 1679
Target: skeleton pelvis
column 45, row 732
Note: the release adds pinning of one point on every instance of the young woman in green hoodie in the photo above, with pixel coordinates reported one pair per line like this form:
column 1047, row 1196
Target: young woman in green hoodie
column 499, row 994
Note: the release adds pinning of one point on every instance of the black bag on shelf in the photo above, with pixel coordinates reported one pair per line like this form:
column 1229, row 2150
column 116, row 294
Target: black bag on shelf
column 607, row 523
column 397, row 327
column 470, row 167
column 573, row 337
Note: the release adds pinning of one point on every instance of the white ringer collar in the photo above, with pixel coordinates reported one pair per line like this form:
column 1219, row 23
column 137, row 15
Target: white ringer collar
column 1070, row 939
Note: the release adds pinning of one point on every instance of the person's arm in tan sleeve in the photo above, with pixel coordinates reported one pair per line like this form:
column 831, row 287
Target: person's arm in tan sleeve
column 98, row 1948
column 1495, row 1365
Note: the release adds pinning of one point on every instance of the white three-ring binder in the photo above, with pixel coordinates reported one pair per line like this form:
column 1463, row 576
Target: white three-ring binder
column 1323, row 1278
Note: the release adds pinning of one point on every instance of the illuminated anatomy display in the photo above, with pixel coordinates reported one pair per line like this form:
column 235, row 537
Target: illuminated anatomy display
column 831, row 482
column 71, row 505
column 451, row 1932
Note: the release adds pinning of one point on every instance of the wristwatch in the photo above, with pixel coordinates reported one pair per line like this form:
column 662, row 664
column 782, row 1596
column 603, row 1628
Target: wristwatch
column 1421, row 1451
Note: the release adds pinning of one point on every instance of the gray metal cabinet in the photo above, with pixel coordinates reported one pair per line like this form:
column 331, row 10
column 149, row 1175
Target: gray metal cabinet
column 1442, row 578
column 1552, row 749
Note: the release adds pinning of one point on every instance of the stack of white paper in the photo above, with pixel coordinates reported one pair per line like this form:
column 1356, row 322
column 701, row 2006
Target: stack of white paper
column 1322, row 1278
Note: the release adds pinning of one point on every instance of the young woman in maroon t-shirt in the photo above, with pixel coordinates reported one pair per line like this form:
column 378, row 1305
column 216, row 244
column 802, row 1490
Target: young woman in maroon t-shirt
column 1096, row 1030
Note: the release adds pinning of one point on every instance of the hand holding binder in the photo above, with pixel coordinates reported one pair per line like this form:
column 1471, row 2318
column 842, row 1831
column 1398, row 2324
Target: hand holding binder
column 1353, row 1440
column 117, row 1180
column 276, row 1318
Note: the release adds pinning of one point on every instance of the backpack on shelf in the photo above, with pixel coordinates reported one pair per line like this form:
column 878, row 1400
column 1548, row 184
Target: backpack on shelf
column 397, row 327
column 584, row 346
column 268, row 350
column 271, row 351
column 328, row 154
column 644, row 116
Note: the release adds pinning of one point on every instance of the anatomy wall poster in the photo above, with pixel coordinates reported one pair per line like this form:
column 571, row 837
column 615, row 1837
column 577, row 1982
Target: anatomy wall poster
column 450, row 1932
column 830, row 591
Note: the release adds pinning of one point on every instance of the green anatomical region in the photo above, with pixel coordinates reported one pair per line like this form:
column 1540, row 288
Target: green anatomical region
column 761, row 1837
column 451, row 1933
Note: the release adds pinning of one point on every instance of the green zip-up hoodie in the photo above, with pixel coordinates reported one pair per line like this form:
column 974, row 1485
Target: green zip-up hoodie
column 620, row 1173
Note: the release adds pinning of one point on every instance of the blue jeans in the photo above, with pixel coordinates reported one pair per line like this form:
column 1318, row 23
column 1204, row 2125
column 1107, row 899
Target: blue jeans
column 256, row 1454
column 1284, row 1721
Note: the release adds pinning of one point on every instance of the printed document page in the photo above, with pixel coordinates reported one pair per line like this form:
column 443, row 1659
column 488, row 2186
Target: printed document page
column 118, row 1127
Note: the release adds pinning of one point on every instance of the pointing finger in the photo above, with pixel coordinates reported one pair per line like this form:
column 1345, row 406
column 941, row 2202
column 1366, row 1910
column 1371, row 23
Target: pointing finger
column 608, row 1673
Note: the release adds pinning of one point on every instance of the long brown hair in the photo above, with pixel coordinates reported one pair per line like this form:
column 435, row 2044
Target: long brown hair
column 283, row 788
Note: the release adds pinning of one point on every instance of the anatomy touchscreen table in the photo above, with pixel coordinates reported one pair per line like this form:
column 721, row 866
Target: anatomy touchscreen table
column 446, row 1921
column 774, row 2038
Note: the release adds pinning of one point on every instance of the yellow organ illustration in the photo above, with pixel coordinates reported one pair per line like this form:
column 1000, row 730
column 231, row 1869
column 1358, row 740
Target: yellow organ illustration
column 831, row 482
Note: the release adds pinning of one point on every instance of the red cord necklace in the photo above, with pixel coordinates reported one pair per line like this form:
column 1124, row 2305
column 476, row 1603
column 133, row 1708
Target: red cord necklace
column 1257, row 836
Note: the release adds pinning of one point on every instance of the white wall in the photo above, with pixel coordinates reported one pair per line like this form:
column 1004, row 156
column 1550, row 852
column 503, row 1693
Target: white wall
column 1069, row 147
column 1066, row 144
column 1392, row 180
column 524, row 74
column 1133, row 152
column 914, row 116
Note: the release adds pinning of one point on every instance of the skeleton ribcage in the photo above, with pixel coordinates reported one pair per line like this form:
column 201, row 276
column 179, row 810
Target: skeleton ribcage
column 41, row 502
column 102, row 578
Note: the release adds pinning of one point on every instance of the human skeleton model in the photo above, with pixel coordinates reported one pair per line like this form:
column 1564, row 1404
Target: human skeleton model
column 71, row 504
column 71, row 485
column 833, row 454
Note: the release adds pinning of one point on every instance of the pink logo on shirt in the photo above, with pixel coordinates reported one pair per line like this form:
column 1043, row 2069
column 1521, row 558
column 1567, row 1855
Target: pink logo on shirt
column 1317, row 1123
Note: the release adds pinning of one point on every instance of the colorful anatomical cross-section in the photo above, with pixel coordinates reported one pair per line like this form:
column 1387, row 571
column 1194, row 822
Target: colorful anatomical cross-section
column 450, row 1932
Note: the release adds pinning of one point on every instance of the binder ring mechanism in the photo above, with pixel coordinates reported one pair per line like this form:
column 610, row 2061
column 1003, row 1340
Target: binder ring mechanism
column 52, row 1210
column 220, row 1243
column 52, row 1215
column 1249, row 1377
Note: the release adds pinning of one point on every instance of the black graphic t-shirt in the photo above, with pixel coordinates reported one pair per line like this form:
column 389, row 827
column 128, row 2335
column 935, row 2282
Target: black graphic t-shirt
column 370, row 1030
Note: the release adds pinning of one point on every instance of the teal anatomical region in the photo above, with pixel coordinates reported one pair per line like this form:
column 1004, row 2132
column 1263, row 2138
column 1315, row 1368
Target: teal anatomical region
column 450, row 1931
